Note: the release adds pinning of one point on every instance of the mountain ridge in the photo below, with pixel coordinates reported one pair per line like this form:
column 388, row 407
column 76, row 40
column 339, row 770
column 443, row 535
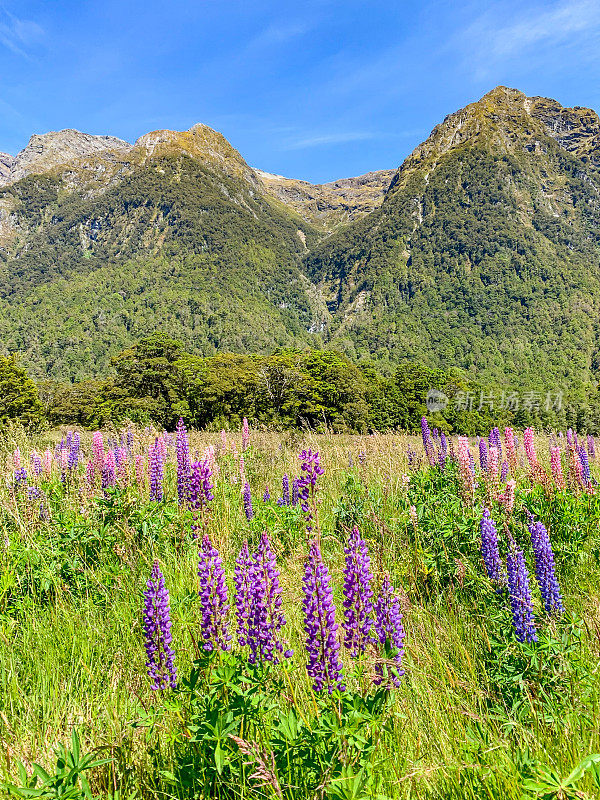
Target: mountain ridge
column 489, row 224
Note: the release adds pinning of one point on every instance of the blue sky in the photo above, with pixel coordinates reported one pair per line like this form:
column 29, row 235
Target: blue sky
column 316, row 90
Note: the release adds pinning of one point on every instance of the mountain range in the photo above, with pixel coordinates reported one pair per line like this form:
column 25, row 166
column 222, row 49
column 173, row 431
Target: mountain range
column 481, row 251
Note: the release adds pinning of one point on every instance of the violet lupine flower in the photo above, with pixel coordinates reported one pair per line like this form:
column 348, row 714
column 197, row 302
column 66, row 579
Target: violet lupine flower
column 390, row 632
column 266, row 495
column 427, row 442
column 295, row 491
column 504, row 471
column 245, row 434
column 494, row 441
column 585, row 466
column 155, row 468
column 311, row 469
column 443, row 454
column 544, row 568
column 74, row 452
column 266, row 618
column 214, row 625
column 490, row 552
column 248, row 510
column 520, row 594
column 483, row 456
column 200, row 491
column 243, row 588
column 358, row 594
column 324, row 665
column 285, row 490
column 570, row 437
column 36, row 463
column 183, row 463
column 157, row 633
column 108, row 470
column 591, row 446
column 20, row 478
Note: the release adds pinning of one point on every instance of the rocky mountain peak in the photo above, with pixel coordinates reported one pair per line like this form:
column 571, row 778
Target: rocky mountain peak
column 202, row 143
column 47, row 151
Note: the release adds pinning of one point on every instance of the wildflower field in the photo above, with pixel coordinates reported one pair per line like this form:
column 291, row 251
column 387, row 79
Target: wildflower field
column 261, row 615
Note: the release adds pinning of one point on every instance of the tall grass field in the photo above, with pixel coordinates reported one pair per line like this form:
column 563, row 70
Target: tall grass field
column 261, row 615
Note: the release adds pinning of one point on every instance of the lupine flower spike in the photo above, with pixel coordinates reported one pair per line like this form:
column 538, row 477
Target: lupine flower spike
column 544, row 568
column 390, row 632
column 214, row 624
column 358, row 594
column 322, row 645
column 157, row 633
column 490, row 551
column 520, row 594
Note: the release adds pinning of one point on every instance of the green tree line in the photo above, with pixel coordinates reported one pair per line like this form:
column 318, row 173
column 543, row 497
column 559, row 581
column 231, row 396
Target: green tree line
column 157, row 381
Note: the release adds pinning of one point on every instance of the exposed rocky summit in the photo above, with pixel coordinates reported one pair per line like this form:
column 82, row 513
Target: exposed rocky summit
column 48, row 151
column 330, row 204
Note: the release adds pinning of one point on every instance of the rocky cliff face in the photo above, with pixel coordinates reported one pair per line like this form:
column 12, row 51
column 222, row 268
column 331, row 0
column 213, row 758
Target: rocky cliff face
column 329, row 205
column 50, row 151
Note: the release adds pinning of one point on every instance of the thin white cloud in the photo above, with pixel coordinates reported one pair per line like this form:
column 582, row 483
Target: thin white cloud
column 18, row 35
column 489, row 42
column 278, row 34
column 329, row 138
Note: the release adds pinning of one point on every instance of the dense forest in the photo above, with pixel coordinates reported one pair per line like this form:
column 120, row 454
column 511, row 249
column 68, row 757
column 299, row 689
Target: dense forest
column 157, row 381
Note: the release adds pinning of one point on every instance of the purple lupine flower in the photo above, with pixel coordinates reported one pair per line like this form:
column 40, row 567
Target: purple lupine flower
column 266, row 618
column 494, row 441
column 295, row 491
column 490, row 552
column 248, row 510
column 570, row 437
column 285, row 490
column 443, row 454
column 311, row 469
column 427, row 443
column 324, row 665
column 390, row 632
column 585, row 465
column 155, row 458
column 200, row 491
column 591, row 446
column 214, row 625
column 74, row 452
column 108, row 470
column 483, row 455
column 358, row 594
column 266, row 495
column 544, row 568
column 471, row 463
column 504, row 471
column 243, row 587
column 157, row 633
column 183, row 463
column 520, row 594
column 36, row 463
column 20, row 479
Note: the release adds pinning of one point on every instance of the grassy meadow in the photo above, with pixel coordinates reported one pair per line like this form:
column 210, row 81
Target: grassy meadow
column 477, row 714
